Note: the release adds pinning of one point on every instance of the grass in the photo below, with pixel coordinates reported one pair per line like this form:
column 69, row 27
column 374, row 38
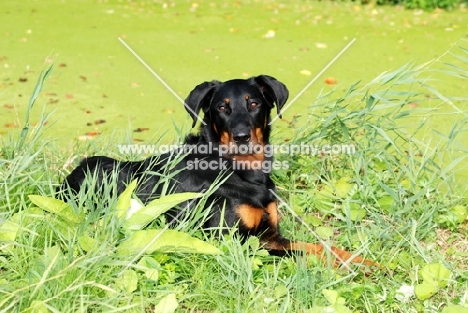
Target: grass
column 396, row 200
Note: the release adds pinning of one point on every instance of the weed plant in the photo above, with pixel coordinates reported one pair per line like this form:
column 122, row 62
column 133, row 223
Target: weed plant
column 396, row 200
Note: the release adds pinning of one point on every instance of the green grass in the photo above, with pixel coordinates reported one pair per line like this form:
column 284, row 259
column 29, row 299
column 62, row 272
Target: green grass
column 401, row 199
column 396, row 201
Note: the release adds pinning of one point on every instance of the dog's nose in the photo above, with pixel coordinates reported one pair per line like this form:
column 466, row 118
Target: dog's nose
column 240, row 138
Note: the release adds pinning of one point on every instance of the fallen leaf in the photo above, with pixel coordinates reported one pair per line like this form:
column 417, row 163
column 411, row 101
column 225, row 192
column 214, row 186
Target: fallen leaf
column 53, row 101
column 62, row 65
column 8, row 106
column 10, row 125
column 331, row 81
column 23, row 79
column 134, row 85
column 141, row 129
column 69, row 96
column 306, row 72
column 321, row 45
column 83, row 78
column 168, row 110
column 269, row 34
column 92, row 133
column 99, row 122
column 36, row 124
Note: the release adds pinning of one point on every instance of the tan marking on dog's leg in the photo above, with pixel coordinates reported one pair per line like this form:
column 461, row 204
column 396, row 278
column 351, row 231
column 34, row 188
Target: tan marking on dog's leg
column 250, row 216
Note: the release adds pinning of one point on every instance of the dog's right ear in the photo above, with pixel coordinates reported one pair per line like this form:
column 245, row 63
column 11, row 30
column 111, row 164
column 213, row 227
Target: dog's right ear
column 200, row 98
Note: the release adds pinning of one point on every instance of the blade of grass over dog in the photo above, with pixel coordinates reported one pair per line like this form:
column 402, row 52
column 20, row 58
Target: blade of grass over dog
column 124, row 201
column 155, row 208
column 165, row 241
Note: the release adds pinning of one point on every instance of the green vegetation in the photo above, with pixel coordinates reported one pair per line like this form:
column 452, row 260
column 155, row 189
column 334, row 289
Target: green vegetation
column 425, row 4
column 396, row 201
column 400, row 199
column 99, row 88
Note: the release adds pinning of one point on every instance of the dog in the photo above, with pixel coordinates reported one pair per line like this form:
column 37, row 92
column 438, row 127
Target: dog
column 236, row 118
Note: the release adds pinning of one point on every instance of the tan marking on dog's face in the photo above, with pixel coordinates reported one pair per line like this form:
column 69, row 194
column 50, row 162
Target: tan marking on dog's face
column 255, row 157
column 225, row 138
column 258, row 135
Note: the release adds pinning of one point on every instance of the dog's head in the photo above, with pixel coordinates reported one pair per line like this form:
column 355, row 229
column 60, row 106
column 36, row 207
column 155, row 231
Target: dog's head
column 237, row 111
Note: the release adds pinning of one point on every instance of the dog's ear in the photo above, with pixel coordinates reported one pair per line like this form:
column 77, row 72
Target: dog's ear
column 273, row 90
column 200, row 98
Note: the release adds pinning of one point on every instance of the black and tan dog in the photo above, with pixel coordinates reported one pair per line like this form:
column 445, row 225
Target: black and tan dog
column 234, row 131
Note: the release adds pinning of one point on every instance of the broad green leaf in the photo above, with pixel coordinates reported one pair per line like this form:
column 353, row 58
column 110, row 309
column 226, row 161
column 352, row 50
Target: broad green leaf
column 338, row 308
column 152, row 274
column 123, row 203
column 155, row 208
column 150, row 267
column 128, row 281
column 148, row 262
column 9, row 230
column 253, row 242
column 326, row 192
column 460, row 212
column 357, row 214
column 385, row 203
column 168, row 304
column 312, row 220
column 37, row 306
column 435, row 274
column 342, row 187
column 425, row 291
column 455, row 309
column 325, row 232
column 87, row 243
column 58, row 207
column 331, row 295
column 256, row 263
column 152, row 240
column 51, row 254
column 280, row 291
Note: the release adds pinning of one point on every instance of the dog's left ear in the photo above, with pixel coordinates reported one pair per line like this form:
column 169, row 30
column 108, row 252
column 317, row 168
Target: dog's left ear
column 200, row 98
column 273, row 90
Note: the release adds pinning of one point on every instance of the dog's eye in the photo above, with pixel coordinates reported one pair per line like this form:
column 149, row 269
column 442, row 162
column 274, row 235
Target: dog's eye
column 253, row 105
column 221, row 108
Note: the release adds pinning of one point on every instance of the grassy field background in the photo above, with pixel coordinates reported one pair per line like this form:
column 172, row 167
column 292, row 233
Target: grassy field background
column 98, row 86
column 399, row 200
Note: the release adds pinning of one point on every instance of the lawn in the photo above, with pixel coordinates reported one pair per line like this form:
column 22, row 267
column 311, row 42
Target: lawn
column 98, row 86
column 399, row 199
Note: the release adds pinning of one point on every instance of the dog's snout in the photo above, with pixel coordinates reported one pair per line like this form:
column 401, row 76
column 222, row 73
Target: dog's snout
column 241, row 137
